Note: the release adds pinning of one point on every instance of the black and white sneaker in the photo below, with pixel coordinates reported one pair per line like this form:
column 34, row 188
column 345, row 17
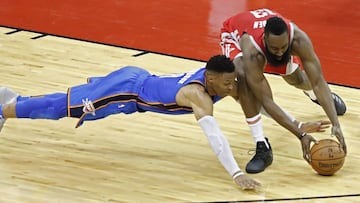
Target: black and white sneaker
column 262, row 159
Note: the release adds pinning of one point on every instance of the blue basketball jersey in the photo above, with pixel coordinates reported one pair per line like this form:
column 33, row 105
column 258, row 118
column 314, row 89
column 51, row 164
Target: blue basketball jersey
column 158, row 93
column 128, row 90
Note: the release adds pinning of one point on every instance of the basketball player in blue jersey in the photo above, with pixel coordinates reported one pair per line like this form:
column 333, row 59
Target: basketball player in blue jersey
column 132, row 89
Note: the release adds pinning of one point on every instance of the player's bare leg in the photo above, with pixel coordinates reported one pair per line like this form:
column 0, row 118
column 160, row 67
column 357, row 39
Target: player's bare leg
column 251, row 107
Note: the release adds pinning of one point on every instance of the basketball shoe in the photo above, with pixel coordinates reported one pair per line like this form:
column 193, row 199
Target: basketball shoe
column 262, row 158
column 7, row 96
column 339, row 103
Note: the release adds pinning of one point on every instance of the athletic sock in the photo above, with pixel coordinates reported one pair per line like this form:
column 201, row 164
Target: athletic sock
column 255, row 124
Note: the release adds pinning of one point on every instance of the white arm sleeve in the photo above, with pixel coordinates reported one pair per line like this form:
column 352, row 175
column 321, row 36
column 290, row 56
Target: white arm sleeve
column 219, row 144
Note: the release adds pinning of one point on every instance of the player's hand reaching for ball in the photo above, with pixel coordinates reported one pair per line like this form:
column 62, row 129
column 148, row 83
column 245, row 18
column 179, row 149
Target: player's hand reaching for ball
column 315, row 126
column 336, row 131
column 305, row 144
column 246, row 183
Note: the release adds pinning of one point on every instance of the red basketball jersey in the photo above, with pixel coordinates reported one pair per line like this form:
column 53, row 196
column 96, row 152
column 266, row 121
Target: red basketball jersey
column 253, row 23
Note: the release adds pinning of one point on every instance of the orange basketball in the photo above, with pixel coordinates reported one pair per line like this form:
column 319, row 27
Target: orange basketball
column 327, row 157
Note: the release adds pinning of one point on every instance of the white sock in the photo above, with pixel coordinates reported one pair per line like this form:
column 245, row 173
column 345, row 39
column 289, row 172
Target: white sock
column 311, row 94
column 255, row 124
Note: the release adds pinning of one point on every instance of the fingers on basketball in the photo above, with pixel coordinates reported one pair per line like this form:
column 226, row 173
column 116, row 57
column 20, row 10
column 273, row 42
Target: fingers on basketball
column 327, row 157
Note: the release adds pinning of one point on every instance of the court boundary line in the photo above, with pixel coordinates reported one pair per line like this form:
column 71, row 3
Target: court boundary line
column 289, row 199
column 143, row 51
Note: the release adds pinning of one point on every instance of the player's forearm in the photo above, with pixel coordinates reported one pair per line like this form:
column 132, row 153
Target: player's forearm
column 320, row 87
column 283, row 118
column 323, row 95
column 219, row 145
column 263, row 93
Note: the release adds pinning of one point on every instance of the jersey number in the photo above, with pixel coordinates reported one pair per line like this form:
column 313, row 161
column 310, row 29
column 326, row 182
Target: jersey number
column 260, row 13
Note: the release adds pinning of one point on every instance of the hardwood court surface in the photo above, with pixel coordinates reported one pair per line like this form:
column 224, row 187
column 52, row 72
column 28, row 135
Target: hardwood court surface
column 148, row 157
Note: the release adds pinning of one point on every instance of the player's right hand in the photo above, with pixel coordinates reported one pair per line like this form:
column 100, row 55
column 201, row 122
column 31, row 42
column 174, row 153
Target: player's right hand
column 305, row 144
column 336, row 131
column 246, row 183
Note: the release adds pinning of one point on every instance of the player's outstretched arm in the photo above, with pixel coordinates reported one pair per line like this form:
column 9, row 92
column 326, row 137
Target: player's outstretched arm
column 221, row 148
column 302, row 46
column 308, row 127
column 194, row 96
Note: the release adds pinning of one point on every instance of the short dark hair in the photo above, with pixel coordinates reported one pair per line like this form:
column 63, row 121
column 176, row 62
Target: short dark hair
column 276, row 26
column 220, row 64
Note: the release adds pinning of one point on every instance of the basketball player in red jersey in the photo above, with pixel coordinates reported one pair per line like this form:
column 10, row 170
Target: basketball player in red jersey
column 261, row 41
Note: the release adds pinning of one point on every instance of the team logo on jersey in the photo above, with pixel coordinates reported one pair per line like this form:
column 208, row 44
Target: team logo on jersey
column 228, row 50
column 88, row 107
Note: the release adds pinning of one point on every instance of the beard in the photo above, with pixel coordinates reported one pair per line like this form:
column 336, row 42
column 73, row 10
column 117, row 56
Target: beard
column 273, row 60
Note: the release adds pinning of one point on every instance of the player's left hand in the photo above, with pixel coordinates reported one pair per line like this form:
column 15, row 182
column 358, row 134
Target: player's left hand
column 247, row 183
column 336, row 131
column 315, row 126
column 305, row 144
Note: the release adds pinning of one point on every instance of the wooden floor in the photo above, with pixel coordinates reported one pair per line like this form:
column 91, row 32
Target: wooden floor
column 148, row 157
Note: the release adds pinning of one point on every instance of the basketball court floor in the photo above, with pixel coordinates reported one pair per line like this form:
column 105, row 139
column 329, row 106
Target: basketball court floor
column 148, row 157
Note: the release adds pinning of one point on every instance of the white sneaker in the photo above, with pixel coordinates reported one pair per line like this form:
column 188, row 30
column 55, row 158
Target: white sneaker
column 7, row 96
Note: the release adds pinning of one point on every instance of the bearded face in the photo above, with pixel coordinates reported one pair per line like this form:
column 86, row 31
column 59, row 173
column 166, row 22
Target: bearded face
column 276, row 60
column 277, row 49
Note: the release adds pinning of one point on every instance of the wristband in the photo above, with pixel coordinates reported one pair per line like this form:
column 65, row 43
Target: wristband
column 302, row 135
column 237, row 174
